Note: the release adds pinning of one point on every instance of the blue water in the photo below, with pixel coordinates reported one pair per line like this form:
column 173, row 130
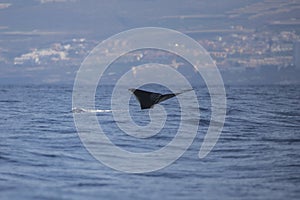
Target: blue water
column 256, row 157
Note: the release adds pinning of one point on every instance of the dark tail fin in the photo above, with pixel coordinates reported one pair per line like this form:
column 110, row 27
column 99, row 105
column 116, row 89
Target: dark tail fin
column 149, row 99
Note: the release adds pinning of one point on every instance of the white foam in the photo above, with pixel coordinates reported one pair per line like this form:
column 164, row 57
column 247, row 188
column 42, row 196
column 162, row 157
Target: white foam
column 80, row 110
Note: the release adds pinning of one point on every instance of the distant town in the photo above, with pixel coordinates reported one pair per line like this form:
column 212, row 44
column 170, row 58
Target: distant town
column 242, row 55
column 250, row 42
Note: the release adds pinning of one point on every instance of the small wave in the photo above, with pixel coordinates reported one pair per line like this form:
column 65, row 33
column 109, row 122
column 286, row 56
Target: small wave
column 234, row 111
column 9, row 101
column 81, row 110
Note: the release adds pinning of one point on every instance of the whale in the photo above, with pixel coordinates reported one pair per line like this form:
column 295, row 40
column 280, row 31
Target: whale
column 148, row 99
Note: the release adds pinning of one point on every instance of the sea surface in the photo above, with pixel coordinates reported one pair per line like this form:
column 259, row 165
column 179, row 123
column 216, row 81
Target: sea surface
column 256, row 157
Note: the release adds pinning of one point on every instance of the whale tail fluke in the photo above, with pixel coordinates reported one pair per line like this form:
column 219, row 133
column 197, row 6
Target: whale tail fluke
column 149, row 99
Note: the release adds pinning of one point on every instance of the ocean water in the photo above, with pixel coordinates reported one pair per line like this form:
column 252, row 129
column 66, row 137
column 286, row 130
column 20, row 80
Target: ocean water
column 257, row 155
